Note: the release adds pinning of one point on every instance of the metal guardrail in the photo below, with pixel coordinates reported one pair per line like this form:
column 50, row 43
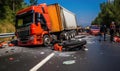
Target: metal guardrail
column 3, row 35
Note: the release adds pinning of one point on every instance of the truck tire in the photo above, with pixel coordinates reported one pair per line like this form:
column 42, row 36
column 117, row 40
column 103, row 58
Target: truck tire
column 54, row 37
column 62, row 36
column 70, row 36
column 66, row 37
column 74, row 43
column 46, row 40
column 73, row 35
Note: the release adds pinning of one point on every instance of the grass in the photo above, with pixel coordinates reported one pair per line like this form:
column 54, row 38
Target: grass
column 6, row 27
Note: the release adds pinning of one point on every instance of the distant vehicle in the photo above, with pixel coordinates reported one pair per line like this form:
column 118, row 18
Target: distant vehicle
column 94, row 29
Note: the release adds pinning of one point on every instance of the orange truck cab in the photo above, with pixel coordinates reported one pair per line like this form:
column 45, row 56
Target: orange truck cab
column 33, row 26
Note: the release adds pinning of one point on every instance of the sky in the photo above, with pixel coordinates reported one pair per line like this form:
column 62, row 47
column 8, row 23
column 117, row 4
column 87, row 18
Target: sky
column 85, row 10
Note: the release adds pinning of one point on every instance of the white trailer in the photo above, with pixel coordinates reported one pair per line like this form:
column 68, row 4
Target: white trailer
column 69, row 19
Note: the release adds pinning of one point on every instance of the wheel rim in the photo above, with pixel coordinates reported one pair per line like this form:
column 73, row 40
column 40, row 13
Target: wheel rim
column 46, row 41
column 67, row 37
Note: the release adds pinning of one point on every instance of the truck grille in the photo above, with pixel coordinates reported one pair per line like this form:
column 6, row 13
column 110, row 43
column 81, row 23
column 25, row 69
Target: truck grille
column 23, row 35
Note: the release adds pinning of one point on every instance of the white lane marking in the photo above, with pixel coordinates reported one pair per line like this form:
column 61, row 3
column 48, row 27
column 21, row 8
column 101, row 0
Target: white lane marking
column 40, row 64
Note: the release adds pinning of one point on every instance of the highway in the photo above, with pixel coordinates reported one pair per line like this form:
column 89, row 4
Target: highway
column 101, row 56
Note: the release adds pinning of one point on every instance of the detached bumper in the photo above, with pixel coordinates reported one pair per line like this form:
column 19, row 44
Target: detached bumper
column 69, row 45
column 74, row 43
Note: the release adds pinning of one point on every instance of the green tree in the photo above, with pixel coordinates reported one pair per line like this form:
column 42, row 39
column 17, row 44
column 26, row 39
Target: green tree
column 109, row 12
column 8, row 9
column 117, row 11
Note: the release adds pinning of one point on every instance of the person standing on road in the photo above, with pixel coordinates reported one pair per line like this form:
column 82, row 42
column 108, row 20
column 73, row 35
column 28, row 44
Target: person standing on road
column 103, row 30
column 112, row 31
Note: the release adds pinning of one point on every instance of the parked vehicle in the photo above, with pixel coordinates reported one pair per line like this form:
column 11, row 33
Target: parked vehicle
column 94, row 29
column 37, row 25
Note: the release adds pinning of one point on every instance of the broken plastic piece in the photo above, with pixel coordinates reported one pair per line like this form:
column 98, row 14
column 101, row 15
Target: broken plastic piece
column 69, row 62
column 57, row 47
column 117, row 39
column 86, row 49
column 0, row 46
column 11, row 58
column 42, row 53
column 11, row 45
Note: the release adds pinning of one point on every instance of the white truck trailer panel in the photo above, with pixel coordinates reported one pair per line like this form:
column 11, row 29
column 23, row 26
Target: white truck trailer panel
column 69, row 19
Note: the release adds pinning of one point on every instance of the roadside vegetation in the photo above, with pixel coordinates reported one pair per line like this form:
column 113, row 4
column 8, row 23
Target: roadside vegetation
column 8, row 9
column 110, row 11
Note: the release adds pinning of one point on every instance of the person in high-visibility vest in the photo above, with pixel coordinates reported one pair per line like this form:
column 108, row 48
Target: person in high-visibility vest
column 112, row 31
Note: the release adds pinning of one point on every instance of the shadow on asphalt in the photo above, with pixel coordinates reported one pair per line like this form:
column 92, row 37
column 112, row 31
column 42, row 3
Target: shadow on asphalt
column 73, row 49
column 34, row 46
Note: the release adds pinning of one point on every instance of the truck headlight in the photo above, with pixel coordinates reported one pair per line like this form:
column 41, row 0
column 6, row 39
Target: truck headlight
column 31, row 37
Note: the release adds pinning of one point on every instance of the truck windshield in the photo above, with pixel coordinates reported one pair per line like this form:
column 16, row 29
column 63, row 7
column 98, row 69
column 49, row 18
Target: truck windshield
column 24, row 19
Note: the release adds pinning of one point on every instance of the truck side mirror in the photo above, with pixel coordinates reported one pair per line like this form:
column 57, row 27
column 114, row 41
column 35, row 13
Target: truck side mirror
column 37, row 17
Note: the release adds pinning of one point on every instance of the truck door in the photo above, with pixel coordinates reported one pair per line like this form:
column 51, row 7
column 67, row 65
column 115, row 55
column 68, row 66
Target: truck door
column 40, row 18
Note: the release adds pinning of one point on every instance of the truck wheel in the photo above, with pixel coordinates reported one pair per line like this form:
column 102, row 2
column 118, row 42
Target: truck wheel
column 46, row 40
column 70, row 36
column 54, row 37
column 66, row 37
column 73, row 34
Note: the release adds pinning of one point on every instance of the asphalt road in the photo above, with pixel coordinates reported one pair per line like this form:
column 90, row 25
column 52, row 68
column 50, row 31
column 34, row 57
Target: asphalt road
column 101, row 56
